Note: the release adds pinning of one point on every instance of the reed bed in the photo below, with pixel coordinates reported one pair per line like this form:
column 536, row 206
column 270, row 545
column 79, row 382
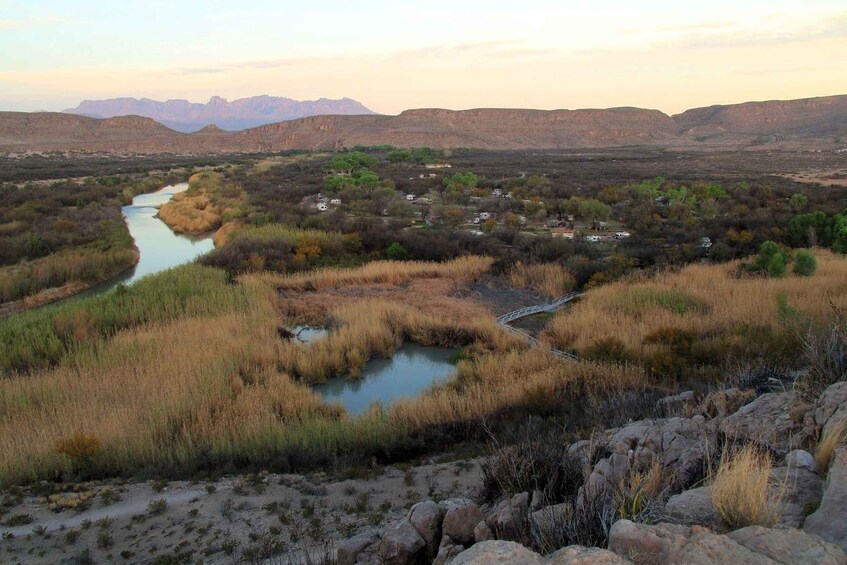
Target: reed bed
column 462, row 269
column 56, row 270
column 708, row 300
column 549, row 279
column 42, row 338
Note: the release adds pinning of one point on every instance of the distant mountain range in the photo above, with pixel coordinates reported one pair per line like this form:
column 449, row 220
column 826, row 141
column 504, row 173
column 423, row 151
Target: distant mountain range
column 186, row 117
column 811, row 123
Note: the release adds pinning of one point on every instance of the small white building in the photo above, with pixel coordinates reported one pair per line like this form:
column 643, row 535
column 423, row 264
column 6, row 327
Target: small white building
column 322, row 207
column 705, row 242
column 438, row 165
column 592, row 238
column 410, row 197
column 335, row 202
column 484, row 216
column 622, row 234
column 476, row 220
column 497, row 192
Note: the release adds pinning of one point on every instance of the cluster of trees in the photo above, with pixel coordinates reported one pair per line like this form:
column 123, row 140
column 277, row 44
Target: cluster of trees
column 418, row 156
column 773, row 260
column 818, row 228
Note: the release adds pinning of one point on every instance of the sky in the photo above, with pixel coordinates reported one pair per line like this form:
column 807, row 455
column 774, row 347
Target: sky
column 395, row 55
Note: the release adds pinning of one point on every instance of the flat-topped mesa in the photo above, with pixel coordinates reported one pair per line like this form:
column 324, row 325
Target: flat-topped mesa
column 821, row 121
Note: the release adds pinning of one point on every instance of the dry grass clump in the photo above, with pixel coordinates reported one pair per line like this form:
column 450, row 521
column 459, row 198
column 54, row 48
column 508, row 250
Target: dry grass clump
column 463, row 269
column 550, row 279
column 640, row 488
column 709, row 300
column 741, row 490
column 832, row 437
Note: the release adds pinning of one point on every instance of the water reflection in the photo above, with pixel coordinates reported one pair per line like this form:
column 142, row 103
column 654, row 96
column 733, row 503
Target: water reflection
column 411, row 370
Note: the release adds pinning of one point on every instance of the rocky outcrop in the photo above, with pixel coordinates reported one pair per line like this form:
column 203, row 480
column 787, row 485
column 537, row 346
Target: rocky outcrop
column 776, row 420
column 401, row 543
column 670, row 544
column 501, row 552
column 831, row 409
column 788, row 546
column 460, row 519
column 829, row 521
column 693, row 507
column 460, row 531
column 579, row 555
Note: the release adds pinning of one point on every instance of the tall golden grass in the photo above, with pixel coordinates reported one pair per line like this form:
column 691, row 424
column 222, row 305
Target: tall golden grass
column 834, row 436
column 550, row 279
column 710, row 300
column 741, row 491
column 209, row 390
column 59, row 269
column 210, row 201
column 462, row 269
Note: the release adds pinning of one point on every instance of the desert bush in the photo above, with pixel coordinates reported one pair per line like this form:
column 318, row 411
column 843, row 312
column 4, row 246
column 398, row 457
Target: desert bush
column 641, row 491
column 741, row 492
column 825, row 352
column 584, row 521
column 535, row 463
column 608, row 349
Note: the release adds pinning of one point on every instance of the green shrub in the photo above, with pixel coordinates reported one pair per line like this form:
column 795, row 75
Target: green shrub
column 805, row 264
column 396, row 252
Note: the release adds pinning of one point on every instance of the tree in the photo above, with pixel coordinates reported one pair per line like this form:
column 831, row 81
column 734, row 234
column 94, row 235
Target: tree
column 798, row 201
column 593, row 210
column 776, row 266
column 805, row 264
column 396, row 252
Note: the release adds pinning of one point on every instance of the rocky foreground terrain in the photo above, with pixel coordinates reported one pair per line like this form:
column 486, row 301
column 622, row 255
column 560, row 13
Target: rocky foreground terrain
column 682, row 528
column 437, row 512
column 809, row 124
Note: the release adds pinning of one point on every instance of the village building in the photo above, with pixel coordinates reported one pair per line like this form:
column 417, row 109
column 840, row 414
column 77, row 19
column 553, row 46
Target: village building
column 565, row 233
column 438, row 165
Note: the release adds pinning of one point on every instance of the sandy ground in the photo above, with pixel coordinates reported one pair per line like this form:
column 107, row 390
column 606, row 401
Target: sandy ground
column 830, row 177
column 240, row 519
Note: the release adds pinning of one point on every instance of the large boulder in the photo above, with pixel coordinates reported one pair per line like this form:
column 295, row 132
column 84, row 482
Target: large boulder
column 800, row 459
column 721, row 403
column 831, row 408
column 508, row 519
column 460, row 518
column 349, row 550
column 500, row 552
column 829, row 521
column 401, row 544
column 693, row 506
column 579, row 555
column 789, row 546
column 678, row 444
column 676, row 404
column 426, row 517
column 775, row 419
column 801, row 491
column 672, row 544
column 447, row 550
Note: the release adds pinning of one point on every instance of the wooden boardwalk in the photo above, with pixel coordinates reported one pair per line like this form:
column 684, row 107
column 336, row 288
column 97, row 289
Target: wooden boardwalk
column 504, row 320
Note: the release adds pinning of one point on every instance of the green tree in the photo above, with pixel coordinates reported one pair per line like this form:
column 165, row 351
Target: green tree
column 396, row 252
column 805, row 264
column 593, row 210
column 776, row 266
column 798, row 201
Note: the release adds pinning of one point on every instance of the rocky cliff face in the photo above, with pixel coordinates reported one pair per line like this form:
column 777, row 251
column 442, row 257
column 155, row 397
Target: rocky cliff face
column 810, row 116
column 819, row 120
column 185, row 116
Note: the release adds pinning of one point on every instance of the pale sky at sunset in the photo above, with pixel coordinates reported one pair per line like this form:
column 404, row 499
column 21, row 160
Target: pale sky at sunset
column 397, row 55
